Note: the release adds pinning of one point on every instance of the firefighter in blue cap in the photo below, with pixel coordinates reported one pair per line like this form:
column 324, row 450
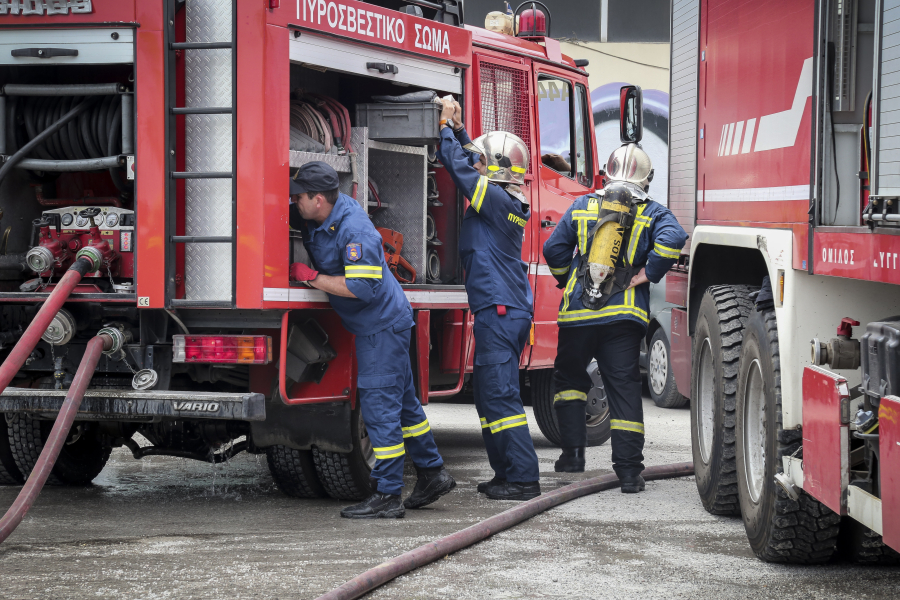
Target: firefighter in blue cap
column 604, row 253
column 488, row 172
column 348, row 260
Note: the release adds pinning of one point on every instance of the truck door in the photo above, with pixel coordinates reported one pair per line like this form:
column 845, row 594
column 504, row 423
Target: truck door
column 504, row 93
column 565, row 171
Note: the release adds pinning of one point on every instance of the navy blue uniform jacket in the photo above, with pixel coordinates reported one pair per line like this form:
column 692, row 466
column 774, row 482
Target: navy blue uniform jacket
column 347, row 244
column 656, row 241
column 490, row 244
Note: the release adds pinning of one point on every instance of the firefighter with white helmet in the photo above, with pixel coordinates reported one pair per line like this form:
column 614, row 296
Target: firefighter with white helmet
column 488, row 172
column 621, row 241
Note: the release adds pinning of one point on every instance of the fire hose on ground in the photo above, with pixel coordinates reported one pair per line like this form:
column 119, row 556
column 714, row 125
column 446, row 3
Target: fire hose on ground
column 432, row 551
column 58, row 434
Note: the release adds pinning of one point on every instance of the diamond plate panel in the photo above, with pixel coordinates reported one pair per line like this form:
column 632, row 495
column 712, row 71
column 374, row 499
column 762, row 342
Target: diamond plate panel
column 401, row 179
column 359, row 138
column 208, row 20
column 208, row 147
column 207, row 272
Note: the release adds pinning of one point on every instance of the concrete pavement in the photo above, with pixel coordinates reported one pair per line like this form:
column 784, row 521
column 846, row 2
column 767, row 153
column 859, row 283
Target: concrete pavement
column 169, row 528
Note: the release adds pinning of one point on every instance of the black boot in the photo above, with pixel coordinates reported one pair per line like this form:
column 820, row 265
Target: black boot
column 570, row 461
column 509, row 490
column 430, row 485
column 484, row 485
column 632, row 484
column 376, row 506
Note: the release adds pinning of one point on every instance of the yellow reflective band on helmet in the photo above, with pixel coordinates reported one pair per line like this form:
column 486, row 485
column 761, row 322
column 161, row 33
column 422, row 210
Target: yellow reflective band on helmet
column 508, row 422
column 560, row 270
column 484, row 423
column 389, row 452
column 362, row 272
column 480, row 190
column 626, row 426
column 493, row 168
column 416, row 430
column 569, row 395
column 667, row 252
column 517, row 169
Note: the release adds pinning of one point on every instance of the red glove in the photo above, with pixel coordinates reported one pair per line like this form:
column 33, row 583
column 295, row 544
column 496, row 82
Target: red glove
column 300, row 272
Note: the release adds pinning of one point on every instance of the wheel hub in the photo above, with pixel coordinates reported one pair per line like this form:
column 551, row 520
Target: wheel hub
column 755, row 426
column 659, row 367
column 706, row 402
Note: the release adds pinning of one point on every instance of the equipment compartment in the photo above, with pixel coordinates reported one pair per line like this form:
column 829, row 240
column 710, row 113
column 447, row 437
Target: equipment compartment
column 397, row 184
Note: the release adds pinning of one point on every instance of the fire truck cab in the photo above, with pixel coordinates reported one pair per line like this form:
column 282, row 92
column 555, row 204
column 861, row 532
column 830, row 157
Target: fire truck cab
column 783, row 169
column 172, row 175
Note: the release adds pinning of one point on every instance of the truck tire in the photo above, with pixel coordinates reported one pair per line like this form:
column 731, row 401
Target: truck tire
column 81, row 459
column 859, row 544
column 346, row 476
column 294, row 472
column 779, row 529
column 714, row 367
column 598, row 424
column 660, row 378
column 9, row 472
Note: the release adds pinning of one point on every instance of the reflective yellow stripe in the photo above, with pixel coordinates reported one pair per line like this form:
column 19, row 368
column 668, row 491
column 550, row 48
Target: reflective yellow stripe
column 569, row 395
column 640, row 221
column 567, row 316
column 508, row 422
column 362, row 272
column 567, row 294
column 484, row 423
column 666, row 252
column 480, row 190
column 416, row 430
column 561, row 270
column 389, row 452
column 626, row 425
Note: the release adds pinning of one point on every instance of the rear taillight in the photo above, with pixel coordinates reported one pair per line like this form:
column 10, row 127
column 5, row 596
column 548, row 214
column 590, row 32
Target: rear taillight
column 227, row 349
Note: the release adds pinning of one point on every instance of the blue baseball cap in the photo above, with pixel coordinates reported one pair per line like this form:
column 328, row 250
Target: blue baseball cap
column 315, row 176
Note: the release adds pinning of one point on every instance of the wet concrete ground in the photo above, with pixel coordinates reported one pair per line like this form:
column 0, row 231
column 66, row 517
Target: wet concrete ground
column 167, row 528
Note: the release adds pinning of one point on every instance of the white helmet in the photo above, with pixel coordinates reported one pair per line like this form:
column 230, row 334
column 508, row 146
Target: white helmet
column 630, row 163
column 506, row 155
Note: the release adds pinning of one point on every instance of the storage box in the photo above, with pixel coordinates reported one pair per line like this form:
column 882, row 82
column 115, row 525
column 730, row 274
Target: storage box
column 408, row 124
column 880, row 357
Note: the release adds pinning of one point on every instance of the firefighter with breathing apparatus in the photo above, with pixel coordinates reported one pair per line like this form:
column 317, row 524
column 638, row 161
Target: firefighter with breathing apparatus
column 621, row 241
column 488, row 172
column 349, row 266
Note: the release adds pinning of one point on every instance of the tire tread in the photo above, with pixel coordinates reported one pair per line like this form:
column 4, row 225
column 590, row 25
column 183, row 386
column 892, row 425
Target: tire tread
column 337, row 476
column 733, row 307
column 294, row 472
column 803, row 531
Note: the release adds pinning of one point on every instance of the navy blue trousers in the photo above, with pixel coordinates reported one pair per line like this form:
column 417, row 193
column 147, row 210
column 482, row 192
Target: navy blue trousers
column 499, row 341
column 393, row 415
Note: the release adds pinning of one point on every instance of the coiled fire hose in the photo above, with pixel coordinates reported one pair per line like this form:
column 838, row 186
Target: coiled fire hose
column 432, row 551
column 57, row 437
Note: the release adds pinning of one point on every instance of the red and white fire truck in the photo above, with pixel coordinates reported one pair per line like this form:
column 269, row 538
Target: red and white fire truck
column 784, row 165
column 170, row 185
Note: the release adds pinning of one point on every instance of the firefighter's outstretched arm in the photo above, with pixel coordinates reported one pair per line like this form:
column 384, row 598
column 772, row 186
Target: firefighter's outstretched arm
column 451, row 154
column 668, row 238
column 560, row 247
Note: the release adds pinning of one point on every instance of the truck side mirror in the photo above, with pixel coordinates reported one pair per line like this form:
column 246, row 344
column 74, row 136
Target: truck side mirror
column 599, row 179
column 631, row 115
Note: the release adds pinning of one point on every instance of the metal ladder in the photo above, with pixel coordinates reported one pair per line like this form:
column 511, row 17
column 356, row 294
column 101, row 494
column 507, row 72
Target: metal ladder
column 210, row 140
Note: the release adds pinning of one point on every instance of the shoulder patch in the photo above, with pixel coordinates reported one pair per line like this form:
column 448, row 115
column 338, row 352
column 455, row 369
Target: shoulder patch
column 354, row 252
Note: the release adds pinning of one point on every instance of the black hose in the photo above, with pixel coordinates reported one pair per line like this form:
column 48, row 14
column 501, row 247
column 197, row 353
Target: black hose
column 37, row 140
column 140, row 452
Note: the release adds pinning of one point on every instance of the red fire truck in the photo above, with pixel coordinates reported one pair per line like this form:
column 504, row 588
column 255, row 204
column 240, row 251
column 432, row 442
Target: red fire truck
column 169, row 185
column 784, row 170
